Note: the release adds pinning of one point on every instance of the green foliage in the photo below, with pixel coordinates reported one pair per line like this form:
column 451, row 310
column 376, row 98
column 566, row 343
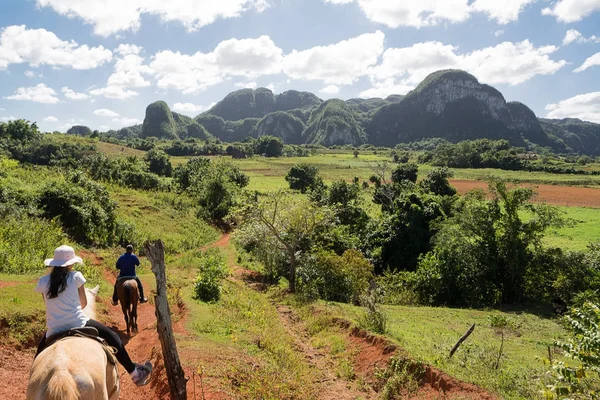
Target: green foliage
column 26, row 242
column 79, row 130
column 405, row 172
column 303, row 177
column 159, row 163
column 84, row 209
column 327, row 276
column 485, row 253
column 402, row 377
column 282, row 124
column 334, row 124
column 129, row 172
column 269, row 145
column 215, row 186
column 481, row 153
column 159, row 122
column 374, row 317
column 212, row 269
column 575, row 381
column 436, row 182
column 19, row 130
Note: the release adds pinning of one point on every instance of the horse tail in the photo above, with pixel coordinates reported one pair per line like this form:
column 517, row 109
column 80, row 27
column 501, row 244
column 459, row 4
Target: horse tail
column 62, row 386
column 128, row 295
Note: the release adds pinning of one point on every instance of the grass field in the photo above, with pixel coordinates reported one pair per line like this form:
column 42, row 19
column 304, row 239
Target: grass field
column 586, row 229
column 429, row 333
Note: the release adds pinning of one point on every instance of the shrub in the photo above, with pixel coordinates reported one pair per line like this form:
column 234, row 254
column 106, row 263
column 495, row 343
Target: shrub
column 406, row 172
column 84, row 209
column 336, row 278
column 374, row 318
column 212, row 269
column 25, row 242
column 573, row 381
column 269, row 145
column 302, row 177
column 159, row 163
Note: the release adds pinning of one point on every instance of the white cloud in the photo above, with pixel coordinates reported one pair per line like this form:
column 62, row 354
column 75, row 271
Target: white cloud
column 72, row 95
column 337, row 64
column 499, row 33
column 114, row 92
column 246, row 85
column 590, row 62
column 572, row 10
column 193, row 73
column 123, row 122
column 423, row 13
column 385, row 88
column 584, row 106
column 574, row 35
column 6, row 119
column 503, row 11
column 188, row 108
column 510, row 63
column 51, row 119
column 39, row 94
column 330, row 90
column 272, row 87
column 103, row 112
column 104, row 128
column 129, row 73
column 111, row 16
column 30, row 74
column 2, row 109
column 39, row 46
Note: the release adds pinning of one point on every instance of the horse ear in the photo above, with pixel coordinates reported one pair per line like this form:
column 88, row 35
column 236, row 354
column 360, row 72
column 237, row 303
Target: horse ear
column 95, row 290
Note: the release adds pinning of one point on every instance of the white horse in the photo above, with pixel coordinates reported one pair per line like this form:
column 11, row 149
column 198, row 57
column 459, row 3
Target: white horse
column 75, row 368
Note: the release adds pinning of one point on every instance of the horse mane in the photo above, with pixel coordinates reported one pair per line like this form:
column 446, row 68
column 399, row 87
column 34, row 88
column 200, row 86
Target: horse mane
column 62, row 386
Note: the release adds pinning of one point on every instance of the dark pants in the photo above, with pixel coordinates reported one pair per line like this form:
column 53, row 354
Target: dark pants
column 111, row 338
column 116, row 298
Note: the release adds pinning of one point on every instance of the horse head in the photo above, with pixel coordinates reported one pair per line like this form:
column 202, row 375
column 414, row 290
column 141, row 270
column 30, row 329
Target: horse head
column 90, row 309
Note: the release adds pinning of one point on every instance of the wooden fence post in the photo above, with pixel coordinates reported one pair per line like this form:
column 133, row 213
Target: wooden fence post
column 177, row 383
column 462, row 339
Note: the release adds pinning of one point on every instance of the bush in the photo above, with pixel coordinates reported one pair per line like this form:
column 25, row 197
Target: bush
column 212, row 269
column 303, row 177
column 269, row 145
column 26, row 242
column 84, row 209
column 405, row 172
column 159, row 163
column 336, row 278
column 374, row 318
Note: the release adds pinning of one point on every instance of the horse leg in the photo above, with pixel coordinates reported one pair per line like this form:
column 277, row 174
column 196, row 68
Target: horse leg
column 125, row 310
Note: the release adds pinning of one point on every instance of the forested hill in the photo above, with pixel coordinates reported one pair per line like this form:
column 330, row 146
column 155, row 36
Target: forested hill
column 448, row 104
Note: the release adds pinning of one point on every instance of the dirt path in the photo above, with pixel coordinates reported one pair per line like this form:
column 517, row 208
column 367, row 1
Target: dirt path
column 332, row 387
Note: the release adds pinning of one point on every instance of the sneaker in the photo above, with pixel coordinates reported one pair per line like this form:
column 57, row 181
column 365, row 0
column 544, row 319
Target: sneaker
column 114, row 303
column 141, row 375
column 144, row 300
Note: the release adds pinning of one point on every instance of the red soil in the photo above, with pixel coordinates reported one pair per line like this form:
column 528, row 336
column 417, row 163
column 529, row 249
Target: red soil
column 572, row 196
column 8, row 284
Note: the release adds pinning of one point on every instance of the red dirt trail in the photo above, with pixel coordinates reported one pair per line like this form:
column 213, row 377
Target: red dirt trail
column 556, row 195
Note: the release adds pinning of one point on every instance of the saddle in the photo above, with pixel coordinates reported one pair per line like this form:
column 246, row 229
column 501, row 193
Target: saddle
column 84, row 332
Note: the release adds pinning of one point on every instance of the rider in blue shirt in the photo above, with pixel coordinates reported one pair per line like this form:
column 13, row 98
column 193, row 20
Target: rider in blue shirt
column 126, row 264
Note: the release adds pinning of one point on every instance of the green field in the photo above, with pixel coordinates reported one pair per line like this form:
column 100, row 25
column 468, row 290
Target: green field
column 585, row 229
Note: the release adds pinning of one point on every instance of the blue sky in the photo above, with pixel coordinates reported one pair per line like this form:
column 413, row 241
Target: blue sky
column 101, row 62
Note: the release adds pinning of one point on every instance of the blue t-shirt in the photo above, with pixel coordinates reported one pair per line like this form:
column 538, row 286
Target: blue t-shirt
column 127, row 263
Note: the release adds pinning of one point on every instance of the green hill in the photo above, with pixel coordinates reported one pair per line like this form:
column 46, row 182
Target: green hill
column 283, row 125
column 334, row 123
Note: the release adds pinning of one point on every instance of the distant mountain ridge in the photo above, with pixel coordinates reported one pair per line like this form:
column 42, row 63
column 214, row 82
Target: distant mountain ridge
column 449, row 104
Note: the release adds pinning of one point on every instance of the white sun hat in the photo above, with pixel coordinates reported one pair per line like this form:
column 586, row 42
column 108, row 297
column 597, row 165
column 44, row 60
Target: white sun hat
column 63, row 257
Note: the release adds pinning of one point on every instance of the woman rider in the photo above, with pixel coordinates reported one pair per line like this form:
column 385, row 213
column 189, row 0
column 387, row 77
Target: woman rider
column 64, row 295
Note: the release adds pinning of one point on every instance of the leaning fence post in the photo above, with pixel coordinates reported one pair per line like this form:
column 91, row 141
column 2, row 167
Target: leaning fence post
column 177, row 383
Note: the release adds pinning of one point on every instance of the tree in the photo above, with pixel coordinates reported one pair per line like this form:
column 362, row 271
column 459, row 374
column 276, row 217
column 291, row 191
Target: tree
column 270, row 145
column 436, row 182
column 406, row 172
column 159, row 162
column 486, row 252
column 355, row 153
column 303, row 177
column 19, row 130
column 284, row 223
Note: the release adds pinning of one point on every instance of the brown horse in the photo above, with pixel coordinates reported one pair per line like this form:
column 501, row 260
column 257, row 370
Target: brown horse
column 75, row 368
column 127, row 291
